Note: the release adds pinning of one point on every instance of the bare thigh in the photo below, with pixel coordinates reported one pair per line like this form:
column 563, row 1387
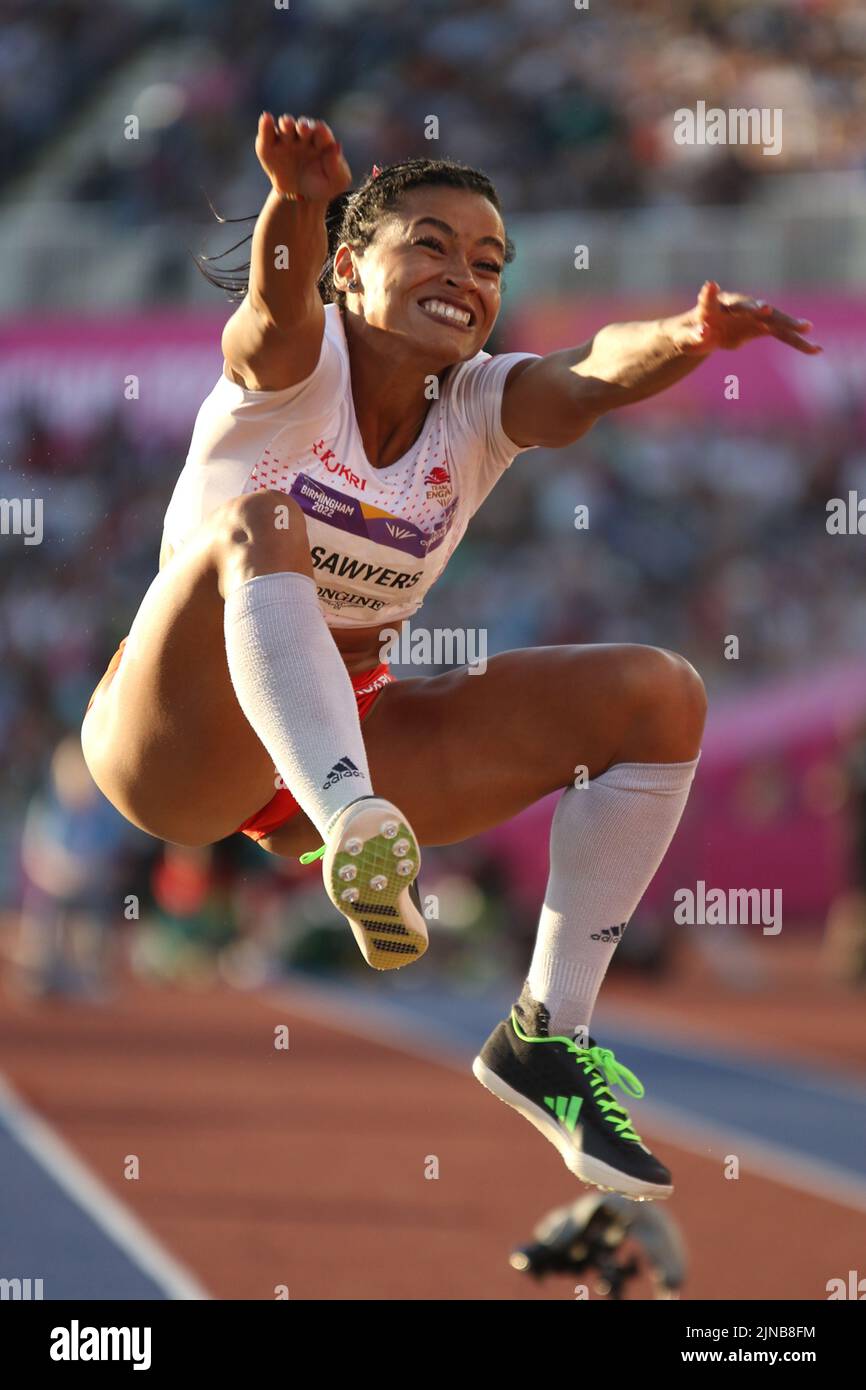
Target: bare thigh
column 460, row 753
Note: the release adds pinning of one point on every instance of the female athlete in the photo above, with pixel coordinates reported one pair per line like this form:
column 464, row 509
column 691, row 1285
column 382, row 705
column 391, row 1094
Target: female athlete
column 332, row 472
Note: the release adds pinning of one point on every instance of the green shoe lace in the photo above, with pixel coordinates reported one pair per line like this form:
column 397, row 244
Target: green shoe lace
column 603, row 1071
column 311, row 855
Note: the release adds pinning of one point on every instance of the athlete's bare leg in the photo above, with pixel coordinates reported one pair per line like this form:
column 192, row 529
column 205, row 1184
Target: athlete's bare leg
column 460, row 753
column 168, row 744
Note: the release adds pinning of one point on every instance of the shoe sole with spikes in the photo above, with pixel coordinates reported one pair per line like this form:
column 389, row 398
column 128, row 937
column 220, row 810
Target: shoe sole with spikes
column 369, row 870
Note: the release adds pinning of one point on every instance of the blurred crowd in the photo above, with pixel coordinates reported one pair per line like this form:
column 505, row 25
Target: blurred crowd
column 692, row 534
column 560, row 105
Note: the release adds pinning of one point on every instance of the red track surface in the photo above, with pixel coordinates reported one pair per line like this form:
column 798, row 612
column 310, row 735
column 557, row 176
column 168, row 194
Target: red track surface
column 306, row 1168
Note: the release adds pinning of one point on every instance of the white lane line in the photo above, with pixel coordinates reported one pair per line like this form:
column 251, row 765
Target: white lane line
column 375, row 1022
column 765, row 1159
column 88, row 1191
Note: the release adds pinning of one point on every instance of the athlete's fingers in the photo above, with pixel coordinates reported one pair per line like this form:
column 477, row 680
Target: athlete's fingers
column 323, row 136
column 266, row 139
column 794, row 340
column 266, row 129
column 287, row 125
column 306, row 128
column 718, row 309
column 309, row 137
column 741, row 303
column 770, row 320
column 744, row 305
column 317, row 134
column 708, row 297
column 785, row 321
column 760, row 309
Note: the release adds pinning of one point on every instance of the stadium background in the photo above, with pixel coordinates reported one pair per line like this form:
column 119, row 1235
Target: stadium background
column 149, row 1030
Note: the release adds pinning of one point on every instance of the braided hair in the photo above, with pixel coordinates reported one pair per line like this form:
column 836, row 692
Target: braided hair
column 354, row 218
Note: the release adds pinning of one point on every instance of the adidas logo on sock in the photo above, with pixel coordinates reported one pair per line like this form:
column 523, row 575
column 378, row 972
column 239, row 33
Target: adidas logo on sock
column 343, row 768
column 609, row 933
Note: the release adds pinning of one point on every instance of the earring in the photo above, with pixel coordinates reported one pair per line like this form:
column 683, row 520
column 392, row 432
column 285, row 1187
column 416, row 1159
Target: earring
column 354, row 285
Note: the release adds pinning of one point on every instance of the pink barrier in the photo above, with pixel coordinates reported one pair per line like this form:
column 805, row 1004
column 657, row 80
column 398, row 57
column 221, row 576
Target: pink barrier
column 73, row 369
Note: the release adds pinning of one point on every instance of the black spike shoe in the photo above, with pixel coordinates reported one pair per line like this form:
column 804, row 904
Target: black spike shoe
column 563, row 1089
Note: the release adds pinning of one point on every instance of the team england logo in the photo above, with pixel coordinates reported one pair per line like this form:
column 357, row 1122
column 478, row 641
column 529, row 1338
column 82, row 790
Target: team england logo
column 438, row 481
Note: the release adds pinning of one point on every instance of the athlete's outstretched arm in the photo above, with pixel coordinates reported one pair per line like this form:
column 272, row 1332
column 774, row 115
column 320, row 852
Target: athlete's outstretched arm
column 274, row 338
column 557, row 398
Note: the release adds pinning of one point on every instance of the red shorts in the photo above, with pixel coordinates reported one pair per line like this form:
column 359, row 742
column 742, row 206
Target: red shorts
column 367, row 686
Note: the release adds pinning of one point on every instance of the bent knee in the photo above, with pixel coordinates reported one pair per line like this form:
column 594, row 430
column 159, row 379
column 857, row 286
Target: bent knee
column 260, row 533
column 667, row 681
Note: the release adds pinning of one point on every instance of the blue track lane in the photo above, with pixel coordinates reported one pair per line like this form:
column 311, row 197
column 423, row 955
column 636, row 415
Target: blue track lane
column 45, row 1235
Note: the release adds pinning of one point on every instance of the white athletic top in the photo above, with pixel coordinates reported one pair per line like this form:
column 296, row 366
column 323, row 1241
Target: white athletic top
column 379, row 537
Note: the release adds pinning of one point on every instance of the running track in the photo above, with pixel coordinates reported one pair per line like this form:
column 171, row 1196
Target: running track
column 305, row 1168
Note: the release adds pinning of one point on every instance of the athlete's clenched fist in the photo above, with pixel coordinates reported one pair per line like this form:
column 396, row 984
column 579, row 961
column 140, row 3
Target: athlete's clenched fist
column 301, row 157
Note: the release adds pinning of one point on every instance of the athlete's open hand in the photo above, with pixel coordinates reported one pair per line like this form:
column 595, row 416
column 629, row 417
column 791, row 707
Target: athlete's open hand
column 721, row 320
column 302, row 157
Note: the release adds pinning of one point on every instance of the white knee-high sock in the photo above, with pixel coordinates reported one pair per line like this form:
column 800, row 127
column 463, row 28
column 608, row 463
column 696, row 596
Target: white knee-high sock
column 295, row 691
column 607, row 840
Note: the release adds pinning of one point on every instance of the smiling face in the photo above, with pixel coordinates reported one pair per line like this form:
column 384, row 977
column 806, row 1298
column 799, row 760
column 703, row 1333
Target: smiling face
column 432, row 272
